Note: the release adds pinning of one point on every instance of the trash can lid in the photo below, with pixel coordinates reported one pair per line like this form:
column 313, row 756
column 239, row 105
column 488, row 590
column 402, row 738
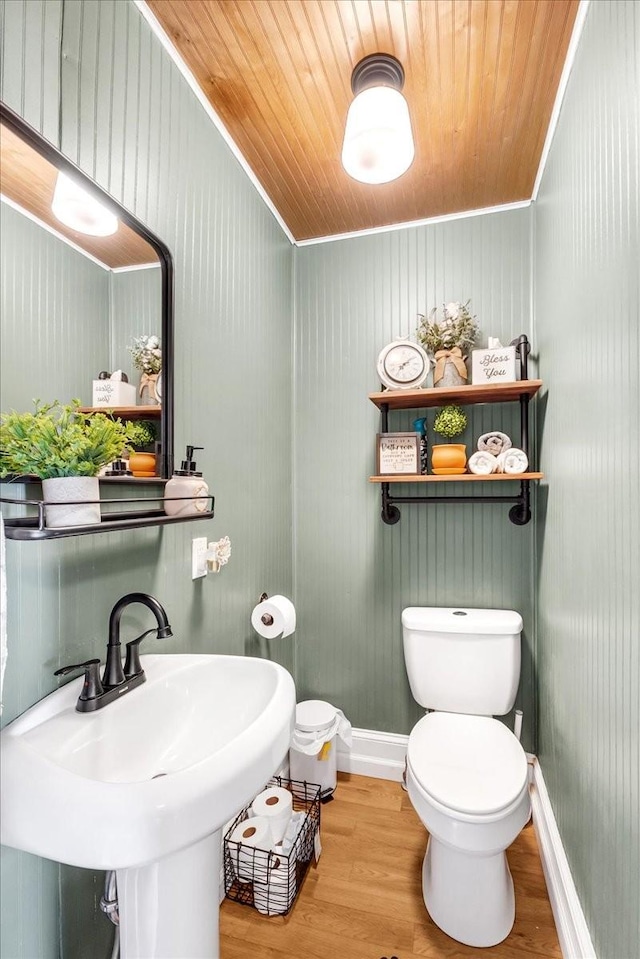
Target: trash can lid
column 314, row 714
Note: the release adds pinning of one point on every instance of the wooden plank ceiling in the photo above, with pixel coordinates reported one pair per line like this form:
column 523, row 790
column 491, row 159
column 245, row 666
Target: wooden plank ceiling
column 481, row 79
column 29, row 180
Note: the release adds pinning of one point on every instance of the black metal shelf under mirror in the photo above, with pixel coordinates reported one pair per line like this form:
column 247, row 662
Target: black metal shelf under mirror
column 57, row 337
column 138, row 515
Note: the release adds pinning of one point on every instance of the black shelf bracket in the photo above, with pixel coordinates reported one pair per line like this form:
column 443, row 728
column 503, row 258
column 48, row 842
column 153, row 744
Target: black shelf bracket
column 520, row 512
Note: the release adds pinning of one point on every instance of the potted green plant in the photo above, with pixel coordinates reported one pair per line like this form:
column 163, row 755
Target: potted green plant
column 451, row 457
column 65, row 448
column 141, row 445
column 448, row 341
column 146, row 353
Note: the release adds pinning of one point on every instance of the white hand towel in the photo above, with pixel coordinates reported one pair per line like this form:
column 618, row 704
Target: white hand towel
column 494, row 442
column 513, row 461
column 482, row 464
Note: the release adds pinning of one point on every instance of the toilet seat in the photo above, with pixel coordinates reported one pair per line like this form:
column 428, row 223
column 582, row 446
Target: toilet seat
column 473, row 765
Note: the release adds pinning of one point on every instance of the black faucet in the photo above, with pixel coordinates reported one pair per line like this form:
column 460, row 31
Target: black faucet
column 117, row 681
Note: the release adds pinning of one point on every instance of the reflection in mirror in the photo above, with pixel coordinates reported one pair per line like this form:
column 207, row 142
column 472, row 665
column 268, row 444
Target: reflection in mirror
column 74, row 303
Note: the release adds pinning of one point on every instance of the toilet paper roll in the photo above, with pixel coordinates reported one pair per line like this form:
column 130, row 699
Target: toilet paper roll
column 274, row 617
column 275, row 805
column 274, row 897
column 250, row 849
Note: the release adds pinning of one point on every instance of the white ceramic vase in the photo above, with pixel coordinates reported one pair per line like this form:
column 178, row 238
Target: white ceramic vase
column 71, row 492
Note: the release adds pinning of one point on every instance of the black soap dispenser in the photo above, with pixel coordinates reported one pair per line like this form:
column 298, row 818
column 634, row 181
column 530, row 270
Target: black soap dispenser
column 186, row 493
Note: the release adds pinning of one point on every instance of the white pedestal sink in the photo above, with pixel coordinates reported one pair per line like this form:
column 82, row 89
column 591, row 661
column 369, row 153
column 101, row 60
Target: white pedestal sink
column 145, row 785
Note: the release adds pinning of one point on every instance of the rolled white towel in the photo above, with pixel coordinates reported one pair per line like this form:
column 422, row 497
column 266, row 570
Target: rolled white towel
column 513, row 461
column 482, row 463
column 494, row 442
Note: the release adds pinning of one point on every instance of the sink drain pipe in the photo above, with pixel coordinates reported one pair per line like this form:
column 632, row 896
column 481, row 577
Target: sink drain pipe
column 109, row 906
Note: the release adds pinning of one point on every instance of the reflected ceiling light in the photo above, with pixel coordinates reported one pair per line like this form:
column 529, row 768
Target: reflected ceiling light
column 378, row 142
column 76, row 208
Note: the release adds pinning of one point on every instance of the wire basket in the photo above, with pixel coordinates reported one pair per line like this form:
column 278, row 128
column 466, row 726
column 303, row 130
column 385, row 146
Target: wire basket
column 270, row 879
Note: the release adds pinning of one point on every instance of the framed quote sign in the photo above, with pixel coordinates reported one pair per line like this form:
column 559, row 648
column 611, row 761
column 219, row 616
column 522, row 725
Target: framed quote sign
column 397, row 453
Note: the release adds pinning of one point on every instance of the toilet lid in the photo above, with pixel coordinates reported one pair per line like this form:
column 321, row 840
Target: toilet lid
column 472, row 764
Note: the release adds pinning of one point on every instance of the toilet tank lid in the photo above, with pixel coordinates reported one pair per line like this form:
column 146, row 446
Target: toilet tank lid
column 459, row 619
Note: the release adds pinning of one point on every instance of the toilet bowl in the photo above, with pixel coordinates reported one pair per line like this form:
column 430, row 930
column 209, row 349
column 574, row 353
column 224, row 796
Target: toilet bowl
column 467, row 780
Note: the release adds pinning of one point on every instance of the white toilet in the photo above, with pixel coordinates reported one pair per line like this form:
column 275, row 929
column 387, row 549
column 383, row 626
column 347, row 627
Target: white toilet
column 466, row 772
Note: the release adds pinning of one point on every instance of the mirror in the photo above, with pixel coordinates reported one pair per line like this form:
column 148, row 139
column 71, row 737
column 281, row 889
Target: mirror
column 72, row 302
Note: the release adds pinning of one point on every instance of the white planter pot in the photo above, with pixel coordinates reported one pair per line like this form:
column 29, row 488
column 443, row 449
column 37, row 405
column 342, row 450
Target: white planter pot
column 71, row 491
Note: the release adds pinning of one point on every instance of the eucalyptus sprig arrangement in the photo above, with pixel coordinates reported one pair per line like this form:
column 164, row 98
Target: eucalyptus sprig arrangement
column 458, row 328
column 146, row 354
column 450, row 422
column 58, row 440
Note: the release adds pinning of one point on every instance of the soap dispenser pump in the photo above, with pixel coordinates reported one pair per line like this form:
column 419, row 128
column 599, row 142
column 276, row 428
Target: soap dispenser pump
column 186, row 493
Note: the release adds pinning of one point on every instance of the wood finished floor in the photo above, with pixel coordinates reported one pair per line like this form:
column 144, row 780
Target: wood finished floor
column 364, row 899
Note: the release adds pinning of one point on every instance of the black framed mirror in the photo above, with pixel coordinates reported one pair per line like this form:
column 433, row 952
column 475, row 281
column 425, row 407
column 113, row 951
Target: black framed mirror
column 74, row 302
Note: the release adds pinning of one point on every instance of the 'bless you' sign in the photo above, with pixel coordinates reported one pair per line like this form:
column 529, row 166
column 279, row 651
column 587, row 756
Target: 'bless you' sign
column 494, row 365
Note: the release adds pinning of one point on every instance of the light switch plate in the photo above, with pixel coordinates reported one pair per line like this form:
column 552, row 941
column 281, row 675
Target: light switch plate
column 198, row 557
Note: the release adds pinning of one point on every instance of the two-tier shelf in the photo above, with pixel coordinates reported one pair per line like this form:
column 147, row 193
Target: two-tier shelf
column 521, row 392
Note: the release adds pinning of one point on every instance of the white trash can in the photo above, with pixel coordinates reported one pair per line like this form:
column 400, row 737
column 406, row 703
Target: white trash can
column 313, row 756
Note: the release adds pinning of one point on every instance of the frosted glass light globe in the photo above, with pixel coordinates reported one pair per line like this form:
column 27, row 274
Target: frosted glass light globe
column 378, row 142
column 76, row 208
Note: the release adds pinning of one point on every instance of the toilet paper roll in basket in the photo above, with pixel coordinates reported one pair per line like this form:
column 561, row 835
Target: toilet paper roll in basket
column 274, row 804
column 249, row 847
column 275, row 616
column 276, row 896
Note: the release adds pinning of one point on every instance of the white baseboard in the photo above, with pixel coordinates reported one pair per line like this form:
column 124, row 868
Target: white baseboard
column 571, row 925
column 376, row 754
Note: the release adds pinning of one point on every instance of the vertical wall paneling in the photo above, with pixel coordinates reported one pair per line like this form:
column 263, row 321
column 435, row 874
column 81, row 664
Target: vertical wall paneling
column 130, row 120
column 586, row 307
column 354, row 574
column 54, row 321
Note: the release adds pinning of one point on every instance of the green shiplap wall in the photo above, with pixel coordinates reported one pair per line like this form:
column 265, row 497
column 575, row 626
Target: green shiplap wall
column 354, row 574
column 54, row 316
column 129, row 119
column 586, row 327
column 135, row 305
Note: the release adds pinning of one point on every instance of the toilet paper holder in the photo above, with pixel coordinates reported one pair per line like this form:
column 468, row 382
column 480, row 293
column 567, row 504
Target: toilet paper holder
column 266, row 618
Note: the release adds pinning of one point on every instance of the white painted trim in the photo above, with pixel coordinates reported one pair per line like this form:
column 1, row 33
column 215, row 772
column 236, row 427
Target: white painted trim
column 574, row 42
column 573, row 933
column 136, row 266
column 49, row 229
column 429, row 221
column 376, row 754
column 166, row 42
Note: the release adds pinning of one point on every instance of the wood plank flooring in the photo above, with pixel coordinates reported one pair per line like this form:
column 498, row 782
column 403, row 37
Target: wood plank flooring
column 364, row 899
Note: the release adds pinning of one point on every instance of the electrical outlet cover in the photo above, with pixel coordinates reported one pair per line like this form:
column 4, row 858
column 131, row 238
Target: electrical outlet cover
column 198, row 557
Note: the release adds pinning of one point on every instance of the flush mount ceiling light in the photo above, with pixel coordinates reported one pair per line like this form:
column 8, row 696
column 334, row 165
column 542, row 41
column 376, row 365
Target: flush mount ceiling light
column 76, row 208
column 378, row 142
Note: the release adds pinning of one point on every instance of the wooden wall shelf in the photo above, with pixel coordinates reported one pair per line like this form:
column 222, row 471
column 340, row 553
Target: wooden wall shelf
column 462, row 395
column 521, row 392
column 126, row 412
column 461, row 478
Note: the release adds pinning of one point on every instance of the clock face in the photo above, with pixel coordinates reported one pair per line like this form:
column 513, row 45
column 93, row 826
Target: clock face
column 402, row 365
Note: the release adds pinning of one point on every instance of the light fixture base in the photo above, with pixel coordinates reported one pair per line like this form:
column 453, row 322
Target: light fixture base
column 377, row 70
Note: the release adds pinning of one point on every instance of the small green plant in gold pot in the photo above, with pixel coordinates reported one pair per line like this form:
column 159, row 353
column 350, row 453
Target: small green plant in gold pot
column 450, row 458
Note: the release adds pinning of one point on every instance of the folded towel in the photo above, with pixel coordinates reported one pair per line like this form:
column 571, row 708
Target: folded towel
column 494, row 442
column 482, row 463
column 513, row 461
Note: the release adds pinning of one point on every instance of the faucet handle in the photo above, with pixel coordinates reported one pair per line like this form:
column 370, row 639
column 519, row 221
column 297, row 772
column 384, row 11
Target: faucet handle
column 132, row 664
column 92, row 687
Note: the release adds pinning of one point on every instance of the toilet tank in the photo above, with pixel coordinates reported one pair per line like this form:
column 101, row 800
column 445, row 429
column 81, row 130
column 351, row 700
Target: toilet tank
column 462, row 660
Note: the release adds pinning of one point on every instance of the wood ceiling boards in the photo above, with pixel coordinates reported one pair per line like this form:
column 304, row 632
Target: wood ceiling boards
column 29, row 180
column 481, row 80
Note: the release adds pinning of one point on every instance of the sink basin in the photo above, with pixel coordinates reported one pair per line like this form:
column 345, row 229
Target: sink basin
column 150, row 774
